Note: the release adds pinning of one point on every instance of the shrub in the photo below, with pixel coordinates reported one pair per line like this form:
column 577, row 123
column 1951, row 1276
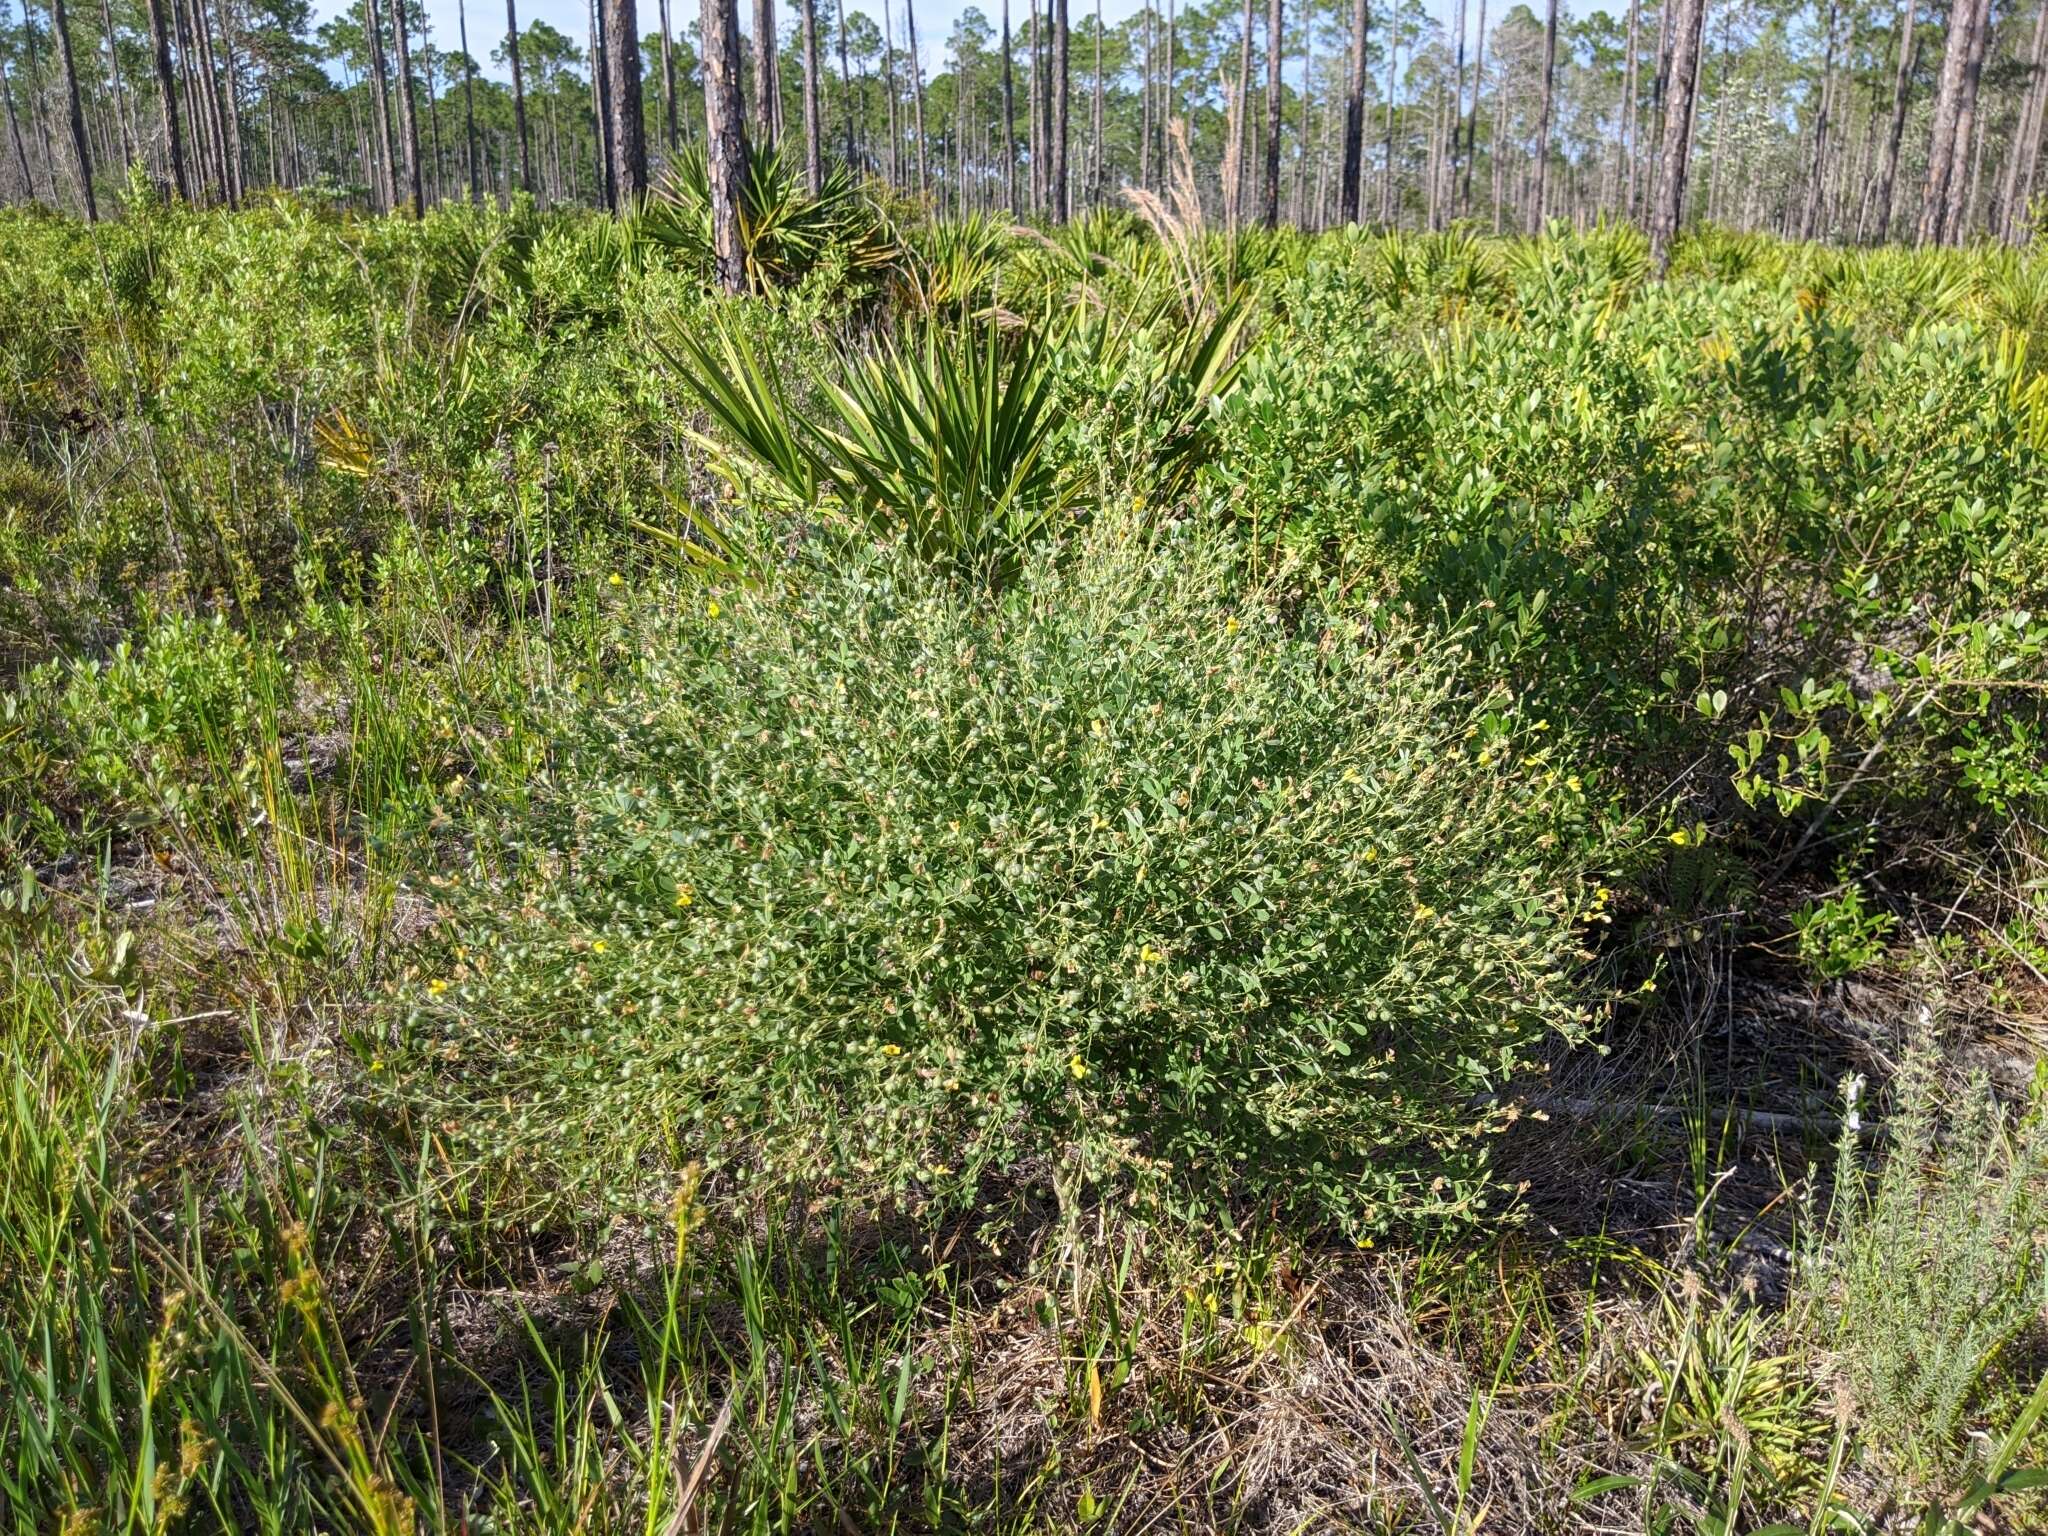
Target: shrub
column 162, row 724
column 880, row 883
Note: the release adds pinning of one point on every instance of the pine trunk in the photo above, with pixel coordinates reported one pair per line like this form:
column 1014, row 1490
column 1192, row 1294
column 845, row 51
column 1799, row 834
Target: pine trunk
column 767, row 90
column 476, row 193
column 1688, row 24
column 725, row 139
column 518, row 96
column 1537, row 201
column 1354, row 116
column 1056, row 192
column 167, row 100
column 408, row 116
column 1275, row 50
column 814, row 114
column 624, row 105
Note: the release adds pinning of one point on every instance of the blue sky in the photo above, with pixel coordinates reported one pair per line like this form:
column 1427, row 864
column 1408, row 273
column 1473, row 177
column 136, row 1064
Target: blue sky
column 935, row 18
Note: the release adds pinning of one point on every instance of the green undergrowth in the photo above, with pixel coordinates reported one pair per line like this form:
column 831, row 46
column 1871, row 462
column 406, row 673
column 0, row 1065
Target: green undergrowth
column 1123, row 879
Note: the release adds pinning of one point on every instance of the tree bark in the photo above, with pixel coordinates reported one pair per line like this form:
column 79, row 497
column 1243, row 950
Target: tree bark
column 1948, row 106
column 846, row 82
column 889, row 88
column 1688, row 23
column 476, row 194
column 80, row 148
column 814, row 115
column 518, row 95
column 1631, row 108
column 1907, row 49
column 121, row 119
column 1354, row 116
column 1057, row 190
column 916, row 92
column 1275, row 35
column 28, row 181
column 1095, row 127
column 1816, row 172
column 1472, row 123
column 2025, row 154
column 725, row 139
column 767, row 89
column 1961, row 182
column 408, row 117
column 231, row 103
column 623, row 104
column 167, row 98
column 1009, row 118
column 1457, row 110
column 1537, row 203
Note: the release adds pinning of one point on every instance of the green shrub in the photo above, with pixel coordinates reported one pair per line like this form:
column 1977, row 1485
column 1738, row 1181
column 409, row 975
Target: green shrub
column 171, row 718
column 875, row 883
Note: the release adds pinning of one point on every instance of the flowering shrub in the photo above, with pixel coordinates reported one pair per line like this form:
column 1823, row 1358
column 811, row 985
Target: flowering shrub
column 878, row 883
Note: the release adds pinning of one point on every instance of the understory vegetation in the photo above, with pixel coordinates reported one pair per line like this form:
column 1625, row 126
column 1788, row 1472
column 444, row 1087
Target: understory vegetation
column 1131, row 878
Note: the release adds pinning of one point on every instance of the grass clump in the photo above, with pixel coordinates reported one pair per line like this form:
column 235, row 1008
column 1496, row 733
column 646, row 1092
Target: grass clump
column 1938, row 1269
column 881, row 884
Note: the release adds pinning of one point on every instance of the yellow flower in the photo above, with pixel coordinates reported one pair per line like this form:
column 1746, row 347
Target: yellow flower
column 1372, row 855
column 1147, row 955
column 598, row 947
column 1649, row 984
column 616, row 579
column 437, row 986
column 892, row 1050
column 1230, row 626
column 711, row 608
column 952, row 1085
column 1572, row 783
column 376, row 1063
column 1078, row 1067
column 1424, row 913
column 684, row 895
column 1681, row 837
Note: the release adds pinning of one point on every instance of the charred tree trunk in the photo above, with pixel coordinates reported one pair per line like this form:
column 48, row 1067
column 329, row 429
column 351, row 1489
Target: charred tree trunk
column 627, row 128
column 1275, row 32
column 1537, row 201
column 1057, row 89
column 518, row 96
column 1354, row 116
column 167, row 98
column 725, row 139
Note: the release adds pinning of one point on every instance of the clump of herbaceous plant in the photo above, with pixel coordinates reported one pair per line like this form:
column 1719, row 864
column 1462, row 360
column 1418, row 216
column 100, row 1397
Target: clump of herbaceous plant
column 871, row 884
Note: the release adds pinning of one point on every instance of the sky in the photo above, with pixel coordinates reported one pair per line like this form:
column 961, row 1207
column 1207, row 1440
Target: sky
column 935, row 19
